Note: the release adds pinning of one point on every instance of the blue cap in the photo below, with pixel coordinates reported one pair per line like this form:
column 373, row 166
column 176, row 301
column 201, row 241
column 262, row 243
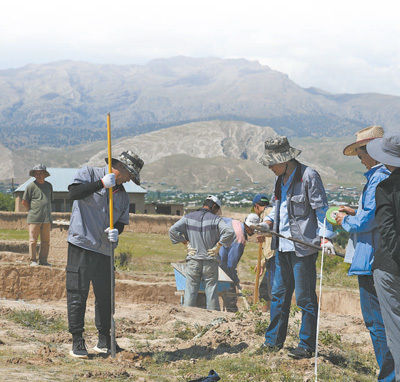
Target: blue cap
column 261, row 199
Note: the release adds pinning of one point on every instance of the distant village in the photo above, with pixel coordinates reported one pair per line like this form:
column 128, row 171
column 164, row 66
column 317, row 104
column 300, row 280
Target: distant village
column 238, row 197
column 161, row 198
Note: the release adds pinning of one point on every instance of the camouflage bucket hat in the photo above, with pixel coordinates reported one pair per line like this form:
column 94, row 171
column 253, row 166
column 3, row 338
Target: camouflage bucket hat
column 39, row 167
column 131, row 162
column 277, row 150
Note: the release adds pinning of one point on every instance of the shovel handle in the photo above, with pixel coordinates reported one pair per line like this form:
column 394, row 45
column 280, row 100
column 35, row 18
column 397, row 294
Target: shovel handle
column 256, row 285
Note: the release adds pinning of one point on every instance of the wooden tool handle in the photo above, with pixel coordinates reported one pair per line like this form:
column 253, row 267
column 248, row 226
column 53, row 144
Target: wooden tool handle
column 256, row 285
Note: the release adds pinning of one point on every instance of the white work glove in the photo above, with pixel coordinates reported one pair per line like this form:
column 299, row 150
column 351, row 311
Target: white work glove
column 214, row 252
column 108, row 180
column 190, row 250
column 112, row 234
column 328, row 246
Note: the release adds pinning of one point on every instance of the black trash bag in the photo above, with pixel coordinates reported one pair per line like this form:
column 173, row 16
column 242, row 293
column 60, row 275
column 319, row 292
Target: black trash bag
column 211, row 377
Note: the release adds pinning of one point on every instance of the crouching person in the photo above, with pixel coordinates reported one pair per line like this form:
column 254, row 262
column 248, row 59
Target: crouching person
column 203, row 232
column 89, row 241
column 230, row 256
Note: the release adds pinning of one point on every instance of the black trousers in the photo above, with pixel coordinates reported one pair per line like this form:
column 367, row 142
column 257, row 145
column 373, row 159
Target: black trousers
column 83, row 267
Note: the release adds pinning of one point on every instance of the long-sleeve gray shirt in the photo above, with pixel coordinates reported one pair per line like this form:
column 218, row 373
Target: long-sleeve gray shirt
column 203, row 230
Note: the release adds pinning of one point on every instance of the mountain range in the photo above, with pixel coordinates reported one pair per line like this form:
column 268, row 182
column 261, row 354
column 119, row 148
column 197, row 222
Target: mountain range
column 199, row 156
column 65, row 103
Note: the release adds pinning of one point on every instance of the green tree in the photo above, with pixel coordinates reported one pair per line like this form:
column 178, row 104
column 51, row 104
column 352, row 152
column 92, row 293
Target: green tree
column 7, row 202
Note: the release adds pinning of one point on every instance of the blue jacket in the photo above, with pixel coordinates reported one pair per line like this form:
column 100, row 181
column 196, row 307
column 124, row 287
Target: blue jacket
column 364, row 236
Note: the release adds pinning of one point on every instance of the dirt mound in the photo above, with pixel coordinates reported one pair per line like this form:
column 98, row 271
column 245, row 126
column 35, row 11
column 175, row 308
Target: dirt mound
column 18, row 246
column 24, row 282
column 48, row 283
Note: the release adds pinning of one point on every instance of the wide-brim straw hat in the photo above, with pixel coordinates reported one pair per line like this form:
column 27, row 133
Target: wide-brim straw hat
column 362, row 138
column 385, row 150
column 39, row 167
column 131, row 162
column 277, row 150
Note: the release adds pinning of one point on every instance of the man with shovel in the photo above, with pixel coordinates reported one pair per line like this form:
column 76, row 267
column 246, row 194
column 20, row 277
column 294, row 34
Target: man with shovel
column 299, row 209
column 89, row 240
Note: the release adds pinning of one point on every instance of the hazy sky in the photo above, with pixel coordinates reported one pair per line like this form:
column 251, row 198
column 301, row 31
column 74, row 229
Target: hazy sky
column 339, row 46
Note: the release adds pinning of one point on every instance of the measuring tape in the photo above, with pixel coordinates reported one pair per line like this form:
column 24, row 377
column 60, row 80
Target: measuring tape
column 331, row 215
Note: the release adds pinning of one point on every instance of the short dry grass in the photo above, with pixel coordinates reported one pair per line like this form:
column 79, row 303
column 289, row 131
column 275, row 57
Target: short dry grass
column 13, row 234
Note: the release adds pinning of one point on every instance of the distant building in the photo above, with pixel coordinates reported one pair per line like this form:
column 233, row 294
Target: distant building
column 61, row 178
column 164, row 208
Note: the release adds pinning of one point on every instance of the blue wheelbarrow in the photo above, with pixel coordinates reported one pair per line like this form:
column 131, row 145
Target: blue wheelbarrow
column 224, row 281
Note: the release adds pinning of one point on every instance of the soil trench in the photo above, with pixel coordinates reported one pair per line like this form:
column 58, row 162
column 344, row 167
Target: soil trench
column 48, row 283
column 22, row 282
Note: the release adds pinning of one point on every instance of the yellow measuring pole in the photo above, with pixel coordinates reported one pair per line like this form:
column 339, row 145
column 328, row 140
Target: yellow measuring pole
column 110, row 193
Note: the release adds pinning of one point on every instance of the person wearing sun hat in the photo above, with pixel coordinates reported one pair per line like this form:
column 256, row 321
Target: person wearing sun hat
column 361, row 247
column 386, row 267
column 89, row 240
column 37, row 200
column 300, row 204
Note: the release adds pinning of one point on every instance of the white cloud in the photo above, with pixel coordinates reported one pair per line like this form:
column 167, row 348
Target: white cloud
column 341, row 46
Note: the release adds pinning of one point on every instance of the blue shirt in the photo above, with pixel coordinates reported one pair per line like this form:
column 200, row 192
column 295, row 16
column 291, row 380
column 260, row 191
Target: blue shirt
column 364, row 235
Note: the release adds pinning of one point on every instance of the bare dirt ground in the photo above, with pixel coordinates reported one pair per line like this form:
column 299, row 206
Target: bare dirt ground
column 148, row 333
column 164, row 341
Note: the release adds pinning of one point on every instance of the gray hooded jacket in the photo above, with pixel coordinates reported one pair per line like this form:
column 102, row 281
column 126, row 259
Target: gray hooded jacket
column 203, row 230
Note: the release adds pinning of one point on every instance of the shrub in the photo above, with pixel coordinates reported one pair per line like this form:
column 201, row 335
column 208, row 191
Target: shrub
column 7, row 202
column 123, row 261
column 328, row 338
column 34, row 319
column 260, row 327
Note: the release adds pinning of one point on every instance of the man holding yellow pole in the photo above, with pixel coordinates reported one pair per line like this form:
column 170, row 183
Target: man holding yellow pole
column 89, row 240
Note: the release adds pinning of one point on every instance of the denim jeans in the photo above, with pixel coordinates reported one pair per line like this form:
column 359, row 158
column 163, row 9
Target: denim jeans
column 374, row 322
column 298, row 274
column 196, row 271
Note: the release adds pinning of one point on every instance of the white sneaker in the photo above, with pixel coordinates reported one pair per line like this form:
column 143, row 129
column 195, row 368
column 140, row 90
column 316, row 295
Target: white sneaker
column 34, row 264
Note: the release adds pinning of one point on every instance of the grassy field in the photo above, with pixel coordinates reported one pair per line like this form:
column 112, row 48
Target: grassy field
column 154, row 253
column 13, row 234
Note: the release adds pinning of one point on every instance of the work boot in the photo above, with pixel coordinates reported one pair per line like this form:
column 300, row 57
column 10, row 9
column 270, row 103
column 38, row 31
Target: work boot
column 300, row 353
column 78, row 347
column 104, row 345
